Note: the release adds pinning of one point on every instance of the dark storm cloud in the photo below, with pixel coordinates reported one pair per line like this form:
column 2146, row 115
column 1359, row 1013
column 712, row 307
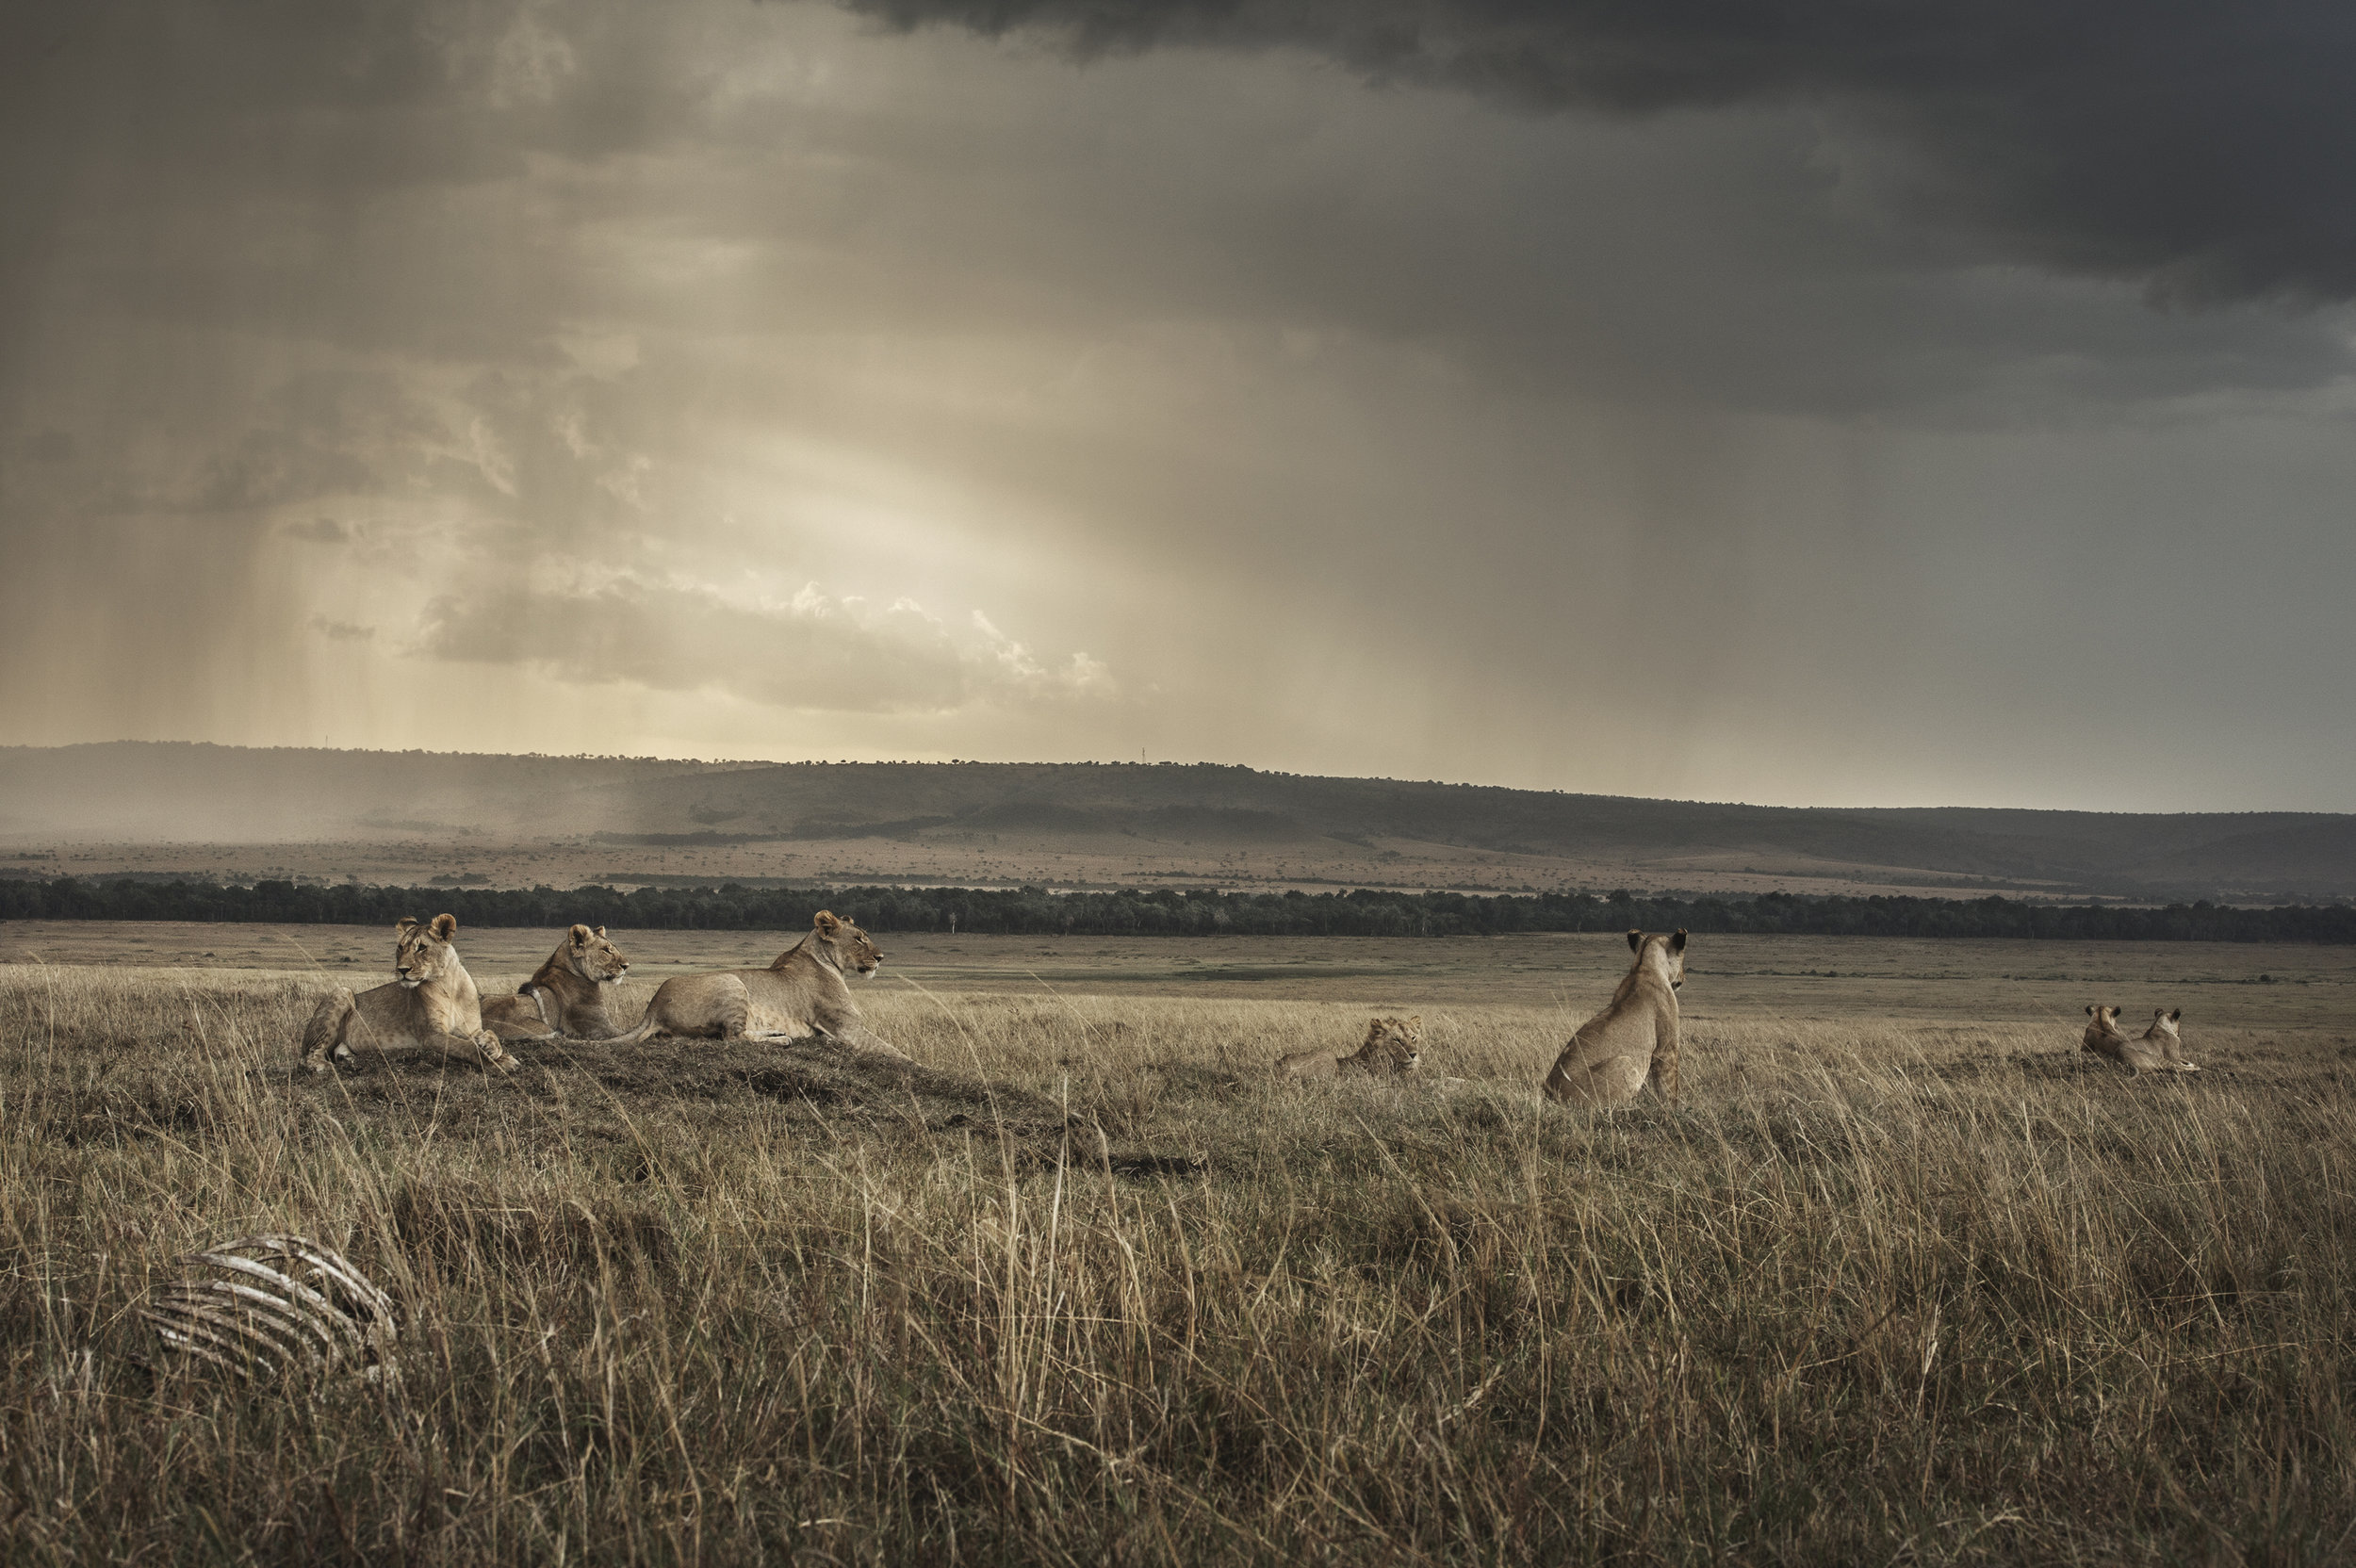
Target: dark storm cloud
column 2204, row 150
column 560, row 343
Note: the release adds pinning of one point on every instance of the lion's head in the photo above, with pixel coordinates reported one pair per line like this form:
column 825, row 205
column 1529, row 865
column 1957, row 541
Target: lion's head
column 1392, row 1045
column 2164, row 1022
column 846, row 946
column 421, row 953
column 588, row 955
column 1671, row 953
column 2103, row 1025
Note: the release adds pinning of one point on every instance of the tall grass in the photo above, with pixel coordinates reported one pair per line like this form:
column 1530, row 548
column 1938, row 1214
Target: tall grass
column 1937, row 1295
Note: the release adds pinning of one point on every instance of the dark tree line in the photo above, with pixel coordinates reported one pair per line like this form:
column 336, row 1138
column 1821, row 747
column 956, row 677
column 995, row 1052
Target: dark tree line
column 1166, row 912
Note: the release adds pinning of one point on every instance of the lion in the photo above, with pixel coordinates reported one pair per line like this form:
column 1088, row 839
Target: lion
column 1634, row 1040
column 2164, row 1038
column 1392, row 1048
column 430, row 1002
column 2103, row 1035
column 804, row 992
column 2158, row 1049
column 566, row 996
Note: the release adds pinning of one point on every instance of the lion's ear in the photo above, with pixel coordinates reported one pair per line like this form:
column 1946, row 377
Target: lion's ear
column 581, row 936
column 2089, row 1009
column 1636, row 941
column 445, row 926
column 2175, row 1015
column 827, row 922
column 601, row 931
column 1676, row 942
column 402, row 926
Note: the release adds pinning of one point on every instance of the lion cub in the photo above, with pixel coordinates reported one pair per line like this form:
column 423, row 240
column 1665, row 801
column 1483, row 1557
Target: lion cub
column 1634, row 1038
column 1393, row 1047
column 2158, row 1049
column 430, row 1002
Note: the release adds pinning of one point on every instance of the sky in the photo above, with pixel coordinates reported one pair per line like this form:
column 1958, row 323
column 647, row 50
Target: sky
column 1833, row 403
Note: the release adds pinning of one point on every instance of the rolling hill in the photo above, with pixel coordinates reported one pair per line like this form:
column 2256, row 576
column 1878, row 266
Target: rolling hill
column 170, row 807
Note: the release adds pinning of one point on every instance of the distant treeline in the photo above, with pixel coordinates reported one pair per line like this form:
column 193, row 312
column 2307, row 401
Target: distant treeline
column 1166, row 911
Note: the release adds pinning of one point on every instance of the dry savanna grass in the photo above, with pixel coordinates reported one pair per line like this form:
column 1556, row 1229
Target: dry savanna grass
column 1893, row 1283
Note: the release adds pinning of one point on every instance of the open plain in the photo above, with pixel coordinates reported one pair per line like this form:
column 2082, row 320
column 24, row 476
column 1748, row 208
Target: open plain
column 1906, row 1276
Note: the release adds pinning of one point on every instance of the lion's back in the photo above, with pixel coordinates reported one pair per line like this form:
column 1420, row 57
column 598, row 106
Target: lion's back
column 1608, row 1060
column 796, row 1000
column 694, row 1004
column 392, row 1014
column 2128, row 1051
column 1309, row 1064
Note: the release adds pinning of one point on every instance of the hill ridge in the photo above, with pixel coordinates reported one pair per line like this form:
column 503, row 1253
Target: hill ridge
column 1160, row 821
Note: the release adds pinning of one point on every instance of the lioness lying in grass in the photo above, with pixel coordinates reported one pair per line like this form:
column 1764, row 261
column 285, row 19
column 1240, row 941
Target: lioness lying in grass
column 431, row 1001
column 803, row 993
column 1392, row 1048
column 2158, row 1049
column 566, row 996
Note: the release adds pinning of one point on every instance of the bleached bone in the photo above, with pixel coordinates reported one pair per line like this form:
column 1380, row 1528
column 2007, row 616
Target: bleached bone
column 269, row 1301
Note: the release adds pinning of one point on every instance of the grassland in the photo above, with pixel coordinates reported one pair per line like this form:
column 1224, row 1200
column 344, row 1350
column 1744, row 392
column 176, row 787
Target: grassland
column 1906, row 1278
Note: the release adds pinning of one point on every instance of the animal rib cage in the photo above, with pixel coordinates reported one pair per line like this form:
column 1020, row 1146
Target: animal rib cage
column 264, row 1303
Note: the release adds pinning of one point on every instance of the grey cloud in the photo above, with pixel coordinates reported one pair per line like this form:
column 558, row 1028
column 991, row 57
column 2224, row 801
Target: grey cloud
column 817, row 654
column 334, row 176
column 314, row 435
column 222, row 163
column 2202, row 149
column 1310, row 407
column 319, row 531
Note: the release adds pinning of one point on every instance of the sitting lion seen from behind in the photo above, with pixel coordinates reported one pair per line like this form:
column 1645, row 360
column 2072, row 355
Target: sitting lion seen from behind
column 1634, row 1039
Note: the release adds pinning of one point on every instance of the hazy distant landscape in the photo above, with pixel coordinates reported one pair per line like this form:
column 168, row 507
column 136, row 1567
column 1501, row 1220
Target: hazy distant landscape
column 417, row 818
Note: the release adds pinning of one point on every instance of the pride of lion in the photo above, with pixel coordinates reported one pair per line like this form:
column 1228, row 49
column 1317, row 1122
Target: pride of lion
column 2158, row 1049
column 431, row 1003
